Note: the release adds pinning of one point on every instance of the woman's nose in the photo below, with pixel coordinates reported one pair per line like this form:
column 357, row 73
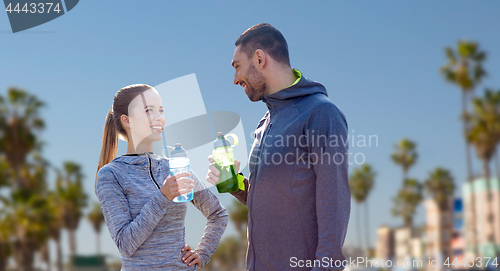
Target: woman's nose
column 159, row 117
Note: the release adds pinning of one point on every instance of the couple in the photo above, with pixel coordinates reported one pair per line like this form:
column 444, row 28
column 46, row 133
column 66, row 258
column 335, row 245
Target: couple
column 297, row 191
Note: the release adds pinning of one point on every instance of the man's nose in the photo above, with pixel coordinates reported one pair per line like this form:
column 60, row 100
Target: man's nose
column 236, row 79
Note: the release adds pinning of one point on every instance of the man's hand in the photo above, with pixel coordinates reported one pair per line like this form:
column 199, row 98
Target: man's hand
column 191, row 257
column 213, row 173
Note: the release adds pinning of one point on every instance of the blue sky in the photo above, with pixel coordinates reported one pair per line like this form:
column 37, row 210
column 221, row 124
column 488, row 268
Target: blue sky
column 379, row 61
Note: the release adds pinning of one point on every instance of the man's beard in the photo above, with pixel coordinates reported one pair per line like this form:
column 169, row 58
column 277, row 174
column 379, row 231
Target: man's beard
column 256, row 84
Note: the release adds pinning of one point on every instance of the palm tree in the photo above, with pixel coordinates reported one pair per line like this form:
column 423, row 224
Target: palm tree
column 406, row 200
column 29, row 234
column 5, row 249
column 360, row 185
column 239, row 215
column 405, row 155
column 227, row 256
column 19, row 124
column 464, row 69
column 96, row 218
column 497, row 164
column 24, row 170
column 55, row 225
column 4, row 254
column 44, row 252
column 440, row 187
column 70, row 190
column 230, row 253
column 484, row 134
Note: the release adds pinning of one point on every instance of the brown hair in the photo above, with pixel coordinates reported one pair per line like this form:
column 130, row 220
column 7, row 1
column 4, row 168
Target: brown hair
column 113, row 128
column 267, row 38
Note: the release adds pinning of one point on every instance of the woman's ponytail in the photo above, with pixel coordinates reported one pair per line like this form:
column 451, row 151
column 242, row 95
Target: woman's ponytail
column 109, row 145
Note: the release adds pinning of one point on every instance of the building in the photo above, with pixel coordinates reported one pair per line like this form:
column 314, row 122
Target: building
column 457, row 248
column 88, row 263
column 384, row 248
column 457, row 240
column 402, row 241
column 438, row 231
column 417, row 248
column 485, row 219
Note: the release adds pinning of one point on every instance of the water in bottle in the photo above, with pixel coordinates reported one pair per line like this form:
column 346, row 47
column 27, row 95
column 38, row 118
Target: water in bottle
column 223, row 156
column 179, row 162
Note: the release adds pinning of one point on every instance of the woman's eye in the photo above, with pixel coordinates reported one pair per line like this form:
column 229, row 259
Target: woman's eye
column 161, row 111
column 149, row 110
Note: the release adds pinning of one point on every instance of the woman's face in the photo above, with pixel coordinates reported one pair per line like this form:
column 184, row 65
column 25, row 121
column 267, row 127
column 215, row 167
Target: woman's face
column 145, row 118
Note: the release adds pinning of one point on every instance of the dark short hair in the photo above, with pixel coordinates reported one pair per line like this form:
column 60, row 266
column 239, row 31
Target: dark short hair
column 267, row 38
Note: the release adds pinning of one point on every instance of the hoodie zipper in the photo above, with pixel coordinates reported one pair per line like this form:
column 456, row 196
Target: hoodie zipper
column 261, row 146
column 151, row 173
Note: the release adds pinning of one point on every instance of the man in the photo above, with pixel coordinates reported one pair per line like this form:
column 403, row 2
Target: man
column 297, row 192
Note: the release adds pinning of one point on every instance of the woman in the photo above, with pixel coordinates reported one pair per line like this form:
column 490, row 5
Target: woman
column 136, row 190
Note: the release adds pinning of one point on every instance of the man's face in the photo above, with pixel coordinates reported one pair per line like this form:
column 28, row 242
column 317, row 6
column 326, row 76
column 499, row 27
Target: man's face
column 248, row 76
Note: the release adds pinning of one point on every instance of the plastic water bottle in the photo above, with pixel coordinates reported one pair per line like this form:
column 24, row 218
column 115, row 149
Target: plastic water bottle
column 223, row 156
column 179, row 162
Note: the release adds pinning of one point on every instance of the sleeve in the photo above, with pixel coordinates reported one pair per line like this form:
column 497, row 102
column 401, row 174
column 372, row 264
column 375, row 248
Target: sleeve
column 127, row 233
column 331, row 164
column 243, row 186
column 217, row 219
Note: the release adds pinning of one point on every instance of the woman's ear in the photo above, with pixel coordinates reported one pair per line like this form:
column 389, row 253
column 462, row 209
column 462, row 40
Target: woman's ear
column 125, row 121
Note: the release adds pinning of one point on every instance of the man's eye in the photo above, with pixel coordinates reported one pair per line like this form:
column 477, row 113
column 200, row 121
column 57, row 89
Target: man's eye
column 149, row 110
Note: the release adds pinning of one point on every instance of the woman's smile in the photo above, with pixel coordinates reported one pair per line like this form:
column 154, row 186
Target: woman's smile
column 157, row 128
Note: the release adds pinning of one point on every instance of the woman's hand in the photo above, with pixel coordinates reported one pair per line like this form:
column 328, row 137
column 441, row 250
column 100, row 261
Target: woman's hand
column 176, row 185
column 191, row 257
column 213, row 173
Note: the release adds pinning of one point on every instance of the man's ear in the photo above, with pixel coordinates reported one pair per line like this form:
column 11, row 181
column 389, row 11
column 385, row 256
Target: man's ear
column 260, row 58
column 125, row 121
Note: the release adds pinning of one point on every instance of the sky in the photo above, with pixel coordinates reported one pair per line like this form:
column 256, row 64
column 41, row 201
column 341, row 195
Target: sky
column 379, row 61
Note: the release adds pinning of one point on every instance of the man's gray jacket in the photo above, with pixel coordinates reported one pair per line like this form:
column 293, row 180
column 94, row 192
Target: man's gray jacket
column 297, row 192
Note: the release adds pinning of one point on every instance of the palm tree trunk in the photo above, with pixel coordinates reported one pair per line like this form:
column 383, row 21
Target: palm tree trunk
column 3, row 257
column 358, row 225
column 497, row 164
column 72, row 242
column 472, row 222
column 59, row 262
column 467, row 148
column 491, row 222
column 45, row 255
column 409, row 221
column 367, row 230
column 98, row 244
column 23, row 255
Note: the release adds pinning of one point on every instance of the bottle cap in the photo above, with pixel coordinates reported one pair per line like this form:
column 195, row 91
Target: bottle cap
column 221, row 141
column 178, row 151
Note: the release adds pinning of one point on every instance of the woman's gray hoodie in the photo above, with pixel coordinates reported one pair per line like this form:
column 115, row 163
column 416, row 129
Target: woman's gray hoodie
column 147, row 228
